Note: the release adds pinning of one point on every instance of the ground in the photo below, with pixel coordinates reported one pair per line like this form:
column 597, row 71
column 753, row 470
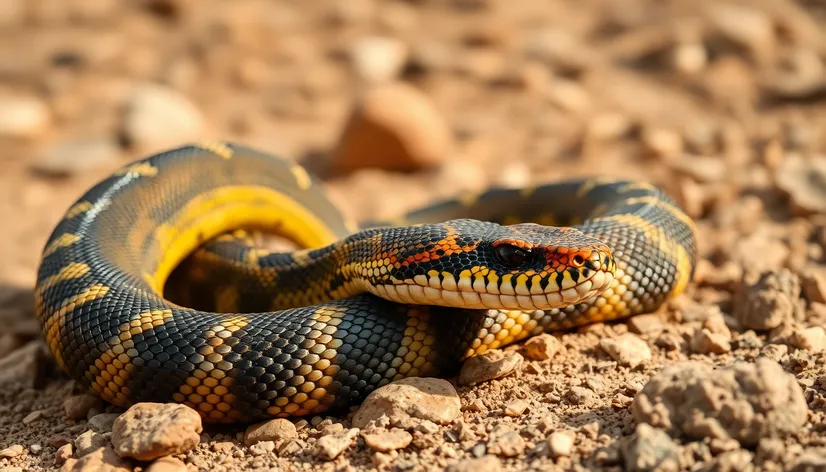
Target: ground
column 719, row 102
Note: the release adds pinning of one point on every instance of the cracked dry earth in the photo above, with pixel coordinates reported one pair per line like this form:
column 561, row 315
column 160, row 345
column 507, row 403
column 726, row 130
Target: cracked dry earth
column 719, row 102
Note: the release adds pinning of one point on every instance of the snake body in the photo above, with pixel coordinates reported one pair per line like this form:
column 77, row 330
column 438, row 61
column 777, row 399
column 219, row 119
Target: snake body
column 267, row 334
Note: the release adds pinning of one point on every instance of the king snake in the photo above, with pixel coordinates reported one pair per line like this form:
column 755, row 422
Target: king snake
column 147, row 292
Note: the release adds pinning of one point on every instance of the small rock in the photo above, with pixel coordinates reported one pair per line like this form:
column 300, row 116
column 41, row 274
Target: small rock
column 810, row 461
column 811, row 339
column 560, row 444
column 580, row 395
column 102, row 459
column 58, row 440
column 627, row 349
column 12, row 451
column 262, row 447
column 804, row 180
column 414, row 397
column 224, row 447
column 75, row 157
column 394, row 127
column 745, row 402
column 167, row 464
column 88, row 442
column 385, row 441
column 662, row 142
column 32, row 417
column 330, row 447
column 542, row 347
column 63, row 454
column 645, row 324
column 103, row 422
column 151, row 430
column 774, row 352
column 813, row 284
column 493, row 364
column 289, row 447
column 516, row 408
column 746, row 26
column 505, row 442
column 378, row 59
column 650, row 449
column 769, row 301
column 703, row 169
column 739, row 460
column 481, row 464
column 23, row 117
column 158, row 117
column 272, row 430
column 706, row 342
column 78, row 406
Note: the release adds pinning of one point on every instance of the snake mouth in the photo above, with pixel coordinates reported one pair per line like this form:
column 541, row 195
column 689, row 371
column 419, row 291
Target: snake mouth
column 434, row 291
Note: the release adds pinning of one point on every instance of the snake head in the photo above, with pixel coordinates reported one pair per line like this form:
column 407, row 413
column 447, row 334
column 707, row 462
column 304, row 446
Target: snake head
column 482, row 265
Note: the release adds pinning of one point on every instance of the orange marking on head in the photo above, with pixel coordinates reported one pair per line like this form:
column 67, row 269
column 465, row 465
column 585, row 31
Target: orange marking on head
column 449, row 245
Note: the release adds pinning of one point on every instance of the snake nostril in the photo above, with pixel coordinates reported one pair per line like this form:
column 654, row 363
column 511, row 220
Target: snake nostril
column 578, row 260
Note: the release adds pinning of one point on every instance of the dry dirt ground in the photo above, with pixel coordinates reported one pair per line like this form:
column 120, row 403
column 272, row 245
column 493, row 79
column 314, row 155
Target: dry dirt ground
column 720, row 102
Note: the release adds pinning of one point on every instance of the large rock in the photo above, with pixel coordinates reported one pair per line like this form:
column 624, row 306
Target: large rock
column 415, row 397
column 151, row 430
column 394, row 127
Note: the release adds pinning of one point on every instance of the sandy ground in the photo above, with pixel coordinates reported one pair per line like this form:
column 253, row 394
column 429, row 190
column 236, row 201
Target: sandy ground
column 719, row 102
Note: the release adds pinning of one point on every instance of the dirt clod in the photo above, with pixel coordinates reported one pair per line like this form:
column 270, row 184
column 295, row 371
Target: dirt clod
column 272, row 430
column 769, row 301
column 330, row 447
column 542, row 347
column 650, row 449
column 102, row 459
column 745, row 402
column 385, row 441
column 628, row 349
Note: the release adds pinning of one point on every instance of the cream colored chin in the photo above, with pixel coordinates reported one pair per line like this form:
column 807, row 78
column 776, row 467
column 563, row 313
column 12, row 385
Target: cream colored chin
column 418, row 295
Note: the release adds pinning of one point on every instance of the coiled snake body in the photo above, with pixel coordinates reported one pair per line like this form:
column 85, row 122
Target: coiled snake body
column 289, row 334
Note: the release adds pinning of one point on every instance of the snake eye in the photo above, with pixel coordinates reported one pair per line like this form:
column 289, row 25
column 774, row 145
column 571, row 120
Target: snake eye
column 512, row 256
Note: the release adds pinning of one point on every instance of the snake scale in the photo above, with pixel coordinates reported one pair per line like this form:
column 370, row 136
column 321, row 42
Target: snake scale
column 285, row 334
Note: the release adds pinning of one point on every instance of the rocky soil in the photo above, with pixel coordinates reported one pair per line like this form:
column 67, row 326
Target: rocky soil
column 398, row 103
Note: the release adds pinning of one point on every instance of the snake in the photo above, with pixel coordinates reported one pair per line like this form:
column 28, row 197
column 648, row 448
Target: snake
column 256, row 333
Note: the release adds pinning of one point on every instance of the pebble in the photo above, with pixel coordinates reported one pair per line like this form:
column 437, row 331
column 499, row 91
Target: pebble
column 167, row 464
column 810, row 461
column 580, row 395
column 429, row 399
column 103, row 422
column 75, row 157
column 769, row 301
column 23, row 117
column 516, row 408
column 272, row 430
column 542, row 347
column 490, row 365
column 627, row 349
column 88, row 442
column 481, row 464
column 32, row 417
column 394, row 127
column 745, row 402
column 385, row 441
column 811, row 339
column 747, row 26
column 662, row 142
column 560, row 444
column 650, row 449
column 646, row 324
column 813, row 284
column 262, row 447
column 77, row 407
column 330, row 447
column 63, row 454
column 713, row 338
column 702, row 169
column 22, row 365
column 151, row 430
column 158, row 117
column 12, row 451
column 506, row 442
column 378, row 58
column 804, row 181
column 103, row 459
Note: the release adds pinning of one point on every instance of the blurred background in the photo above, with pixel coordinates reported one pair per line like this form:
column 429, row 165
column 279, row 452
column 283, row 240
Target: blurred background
column 397, row 103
